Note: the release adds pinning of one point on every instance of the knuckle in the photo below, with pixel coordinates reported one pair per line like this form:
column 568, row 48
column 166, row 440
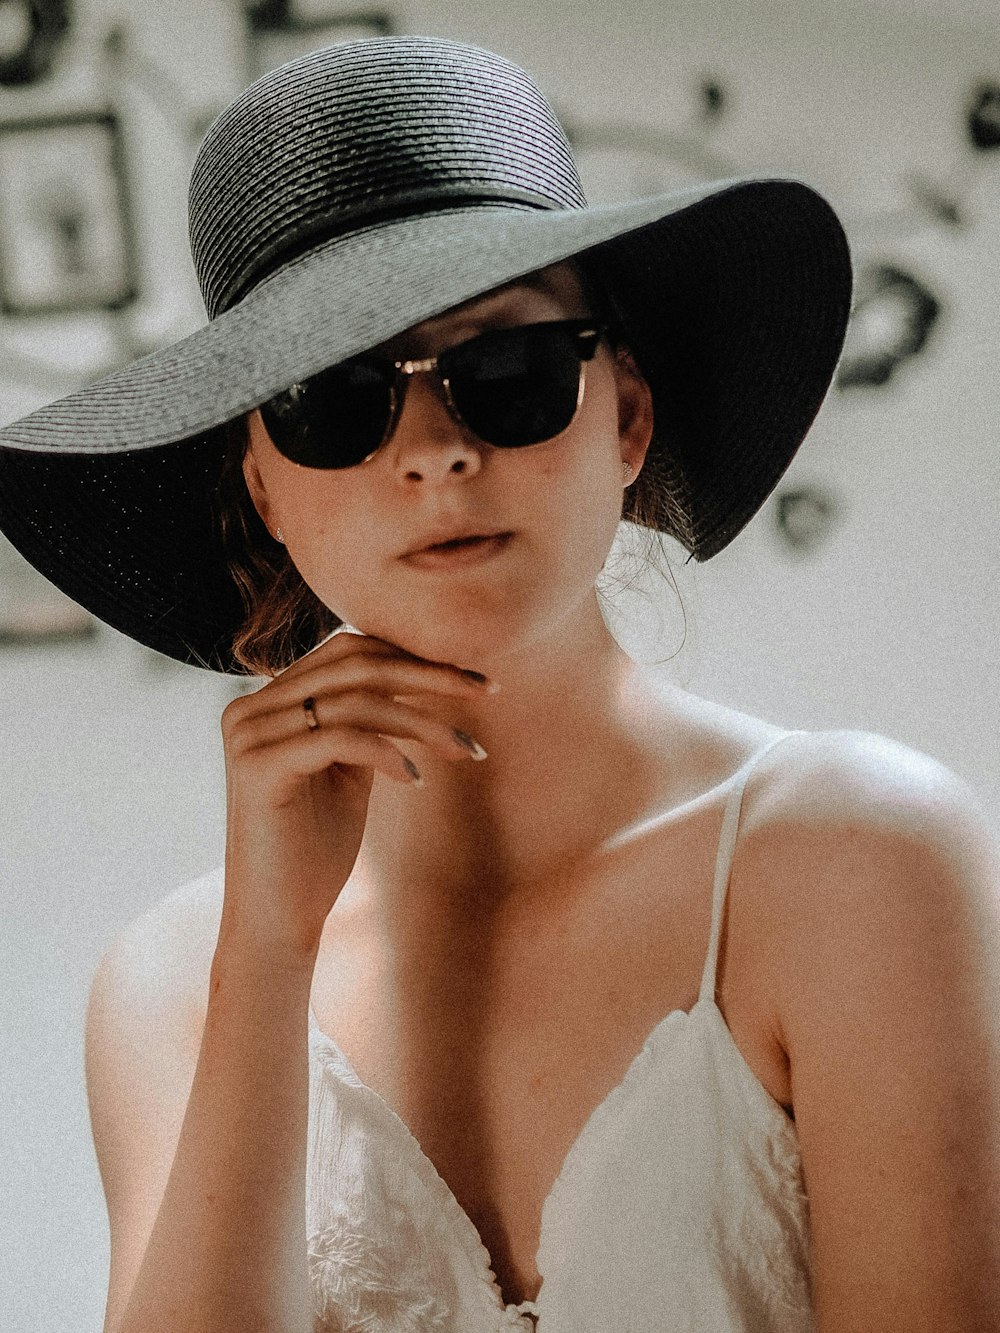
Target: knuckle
column 232, row 728
column 231, row 713
column 237, row 744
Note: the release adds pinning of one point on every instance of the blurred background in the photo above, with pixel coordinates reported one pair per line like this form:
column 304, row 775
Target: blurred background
column 864, row 595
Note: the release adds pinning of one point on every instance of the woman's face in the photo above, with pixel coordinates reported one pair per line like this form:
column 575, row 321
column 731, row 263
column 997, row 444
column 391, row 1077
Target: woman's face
column 349, row 530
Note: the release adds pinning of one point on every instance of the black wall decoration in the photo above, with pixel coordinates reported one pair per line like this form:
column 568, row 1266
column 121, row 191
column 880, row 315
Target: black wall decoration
column 281, row 30
column 892, row 318
column 945, row 201
column 805, row 516
column 34, row 30
column 714, row 100
column 983, row 119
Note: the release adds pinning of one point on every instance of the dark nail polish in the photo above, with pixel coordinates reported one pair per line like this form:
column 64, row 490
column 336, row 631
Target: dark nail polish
column 473, row 747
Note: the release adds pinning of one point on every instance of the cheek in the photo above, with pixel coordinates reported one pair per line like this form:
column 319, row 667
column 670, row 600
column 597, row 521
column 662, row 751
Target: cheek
column 594, row 517
column 580, row 478
column 570, row 519
column 330, row 546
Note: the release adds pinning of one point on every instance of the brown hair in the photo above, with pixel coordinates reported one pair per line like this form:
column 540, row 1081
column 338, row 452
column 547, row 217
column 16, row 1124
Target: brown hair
column 284, row 617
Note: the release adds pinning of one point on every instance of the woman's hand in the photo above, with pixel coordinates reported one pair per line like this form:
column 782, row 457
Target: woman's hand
column 297, row 797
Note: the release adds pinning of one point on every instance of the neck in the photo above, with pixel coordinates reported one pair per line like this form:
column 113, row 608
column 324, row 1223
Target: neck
column 566, row 765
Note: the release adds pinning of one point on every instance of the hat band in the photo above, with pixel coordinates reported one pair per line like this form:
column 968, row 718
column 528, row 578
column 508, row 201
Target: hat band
column 328, row 227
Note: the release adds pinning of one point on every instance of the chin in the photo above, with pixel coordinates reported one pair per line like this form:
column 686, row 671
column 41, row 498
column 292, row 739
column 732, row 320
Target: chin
column 463, row 640
column 465, row 644
column 472, row 626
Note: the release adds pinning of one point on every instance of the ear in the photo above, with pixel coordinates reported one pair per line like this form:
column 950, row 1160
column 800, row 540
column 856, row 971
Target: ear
column 251, row 469
column 635, row 409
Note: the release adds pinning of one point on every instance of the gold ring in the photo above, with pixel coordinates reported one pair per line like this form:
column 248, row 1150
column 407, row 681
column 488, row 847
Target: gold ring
column 309, row 705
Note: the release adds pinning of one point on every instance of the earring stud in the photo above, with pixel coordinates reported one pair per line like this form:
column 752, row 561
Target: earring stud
column 277, row 535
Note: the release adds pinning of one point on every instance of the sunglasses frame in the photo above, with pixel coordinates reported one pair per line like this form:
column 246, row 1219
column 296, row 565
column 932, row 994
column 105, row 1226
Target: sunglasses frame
column 584, row 332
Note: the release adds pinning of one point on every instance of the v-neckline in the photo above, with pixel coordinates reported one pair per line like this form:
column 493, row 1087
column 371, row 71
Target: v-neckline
column 439, row 1187
column 605, row 1109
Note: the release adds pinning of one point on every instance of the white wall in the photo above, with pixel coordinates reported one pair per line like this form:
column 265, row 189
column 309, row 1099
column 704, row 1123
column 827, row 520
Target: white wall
column 111, row 780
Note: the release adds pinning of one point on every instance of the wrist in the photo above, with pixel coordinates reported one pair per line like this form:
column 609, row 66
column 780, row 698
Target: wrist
column 275, row 952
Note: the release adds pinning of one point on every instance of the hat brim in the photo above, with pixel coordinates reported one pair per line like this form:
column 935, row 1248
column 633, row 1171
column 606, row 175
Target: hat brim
column 735, row 296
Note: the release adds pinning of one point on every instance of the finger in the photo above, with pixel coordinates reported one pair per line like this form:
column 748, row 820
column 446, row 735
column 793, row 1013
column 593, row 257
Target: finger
column 349, row 710
column 386, row 677
column 359, row 649
column 279, row 770
column 332, row 649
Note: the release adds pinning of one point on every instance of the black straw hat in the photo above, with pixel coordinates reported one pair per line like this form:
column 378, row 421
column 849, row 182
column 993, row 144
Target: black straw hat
column 358, row 191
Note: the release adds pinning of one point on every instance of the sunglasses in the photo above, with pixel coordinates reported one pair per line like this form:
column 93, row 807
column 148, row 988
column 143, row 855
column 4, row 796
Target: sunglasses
column 510, row 387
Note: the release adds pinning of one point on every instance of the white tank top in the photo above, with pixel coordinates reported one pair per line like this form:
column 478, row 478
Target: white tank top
column 680, row 1207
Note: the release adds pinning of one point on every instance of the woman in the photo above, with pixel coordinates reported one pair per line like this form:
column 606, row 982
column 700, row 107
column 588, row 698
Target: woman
column 537, row 988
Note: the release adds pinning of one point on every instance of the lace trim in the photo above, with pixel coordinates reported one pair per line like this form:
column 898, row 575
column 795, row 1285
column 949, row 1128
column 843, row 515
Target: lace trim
column 525, row 1323
column 455, row 1223
column 360, row 1286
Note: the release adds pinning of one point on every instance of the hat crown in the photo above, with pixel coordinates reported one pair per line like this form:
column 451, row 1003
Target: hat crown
column 354, row 134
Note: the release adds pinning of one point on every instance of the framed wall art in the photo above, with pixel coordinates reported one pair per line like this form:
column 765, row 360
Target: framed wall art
column 67, row 239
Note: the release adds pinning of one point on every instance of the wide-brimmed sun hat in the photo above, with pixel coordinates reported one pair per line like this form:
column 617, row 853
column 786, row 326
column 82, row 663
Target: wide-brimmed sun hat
column 356, row 192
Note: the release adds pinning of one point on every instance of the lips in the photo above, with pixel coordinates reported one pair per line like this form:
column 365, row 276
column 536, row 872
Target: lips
column 453, row 540
column 459, row 553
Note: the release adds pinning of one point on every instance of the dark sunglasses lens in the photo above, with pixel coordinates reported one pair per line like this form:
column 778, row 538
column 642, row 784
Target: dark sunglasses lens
column 334, row 419
column 516, row 386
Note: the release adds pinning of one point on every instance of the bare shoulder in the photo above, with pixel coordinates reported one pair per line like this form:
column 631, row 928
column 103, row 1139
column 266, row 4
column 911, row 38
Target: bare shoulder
column 878, row 870
column 145, row 1015
column 166, row 952
column 832, row 780
column 142, row 1040
column 193, row 910
column 825, row 810
column 864, row 854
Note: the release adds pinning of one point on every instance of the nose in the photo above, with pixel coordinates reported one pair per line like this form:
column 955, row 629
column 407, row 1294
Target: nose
column 429, row 443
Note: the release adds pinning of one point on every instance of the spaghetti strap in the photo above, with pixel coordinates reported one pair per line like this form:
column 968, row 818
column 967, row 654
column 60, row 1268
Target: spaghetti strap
column 724, row 861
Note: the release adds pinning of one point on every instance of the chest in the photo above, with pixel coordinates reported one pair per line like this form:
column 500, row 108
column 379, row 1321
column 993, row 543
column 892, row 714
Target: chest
column 495, row 1056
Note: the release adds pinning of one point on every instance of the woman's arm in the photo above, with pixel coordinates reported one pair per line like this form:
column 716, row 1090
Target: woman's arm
column 227, row 1252
column 202, row 1151
column 885, row 900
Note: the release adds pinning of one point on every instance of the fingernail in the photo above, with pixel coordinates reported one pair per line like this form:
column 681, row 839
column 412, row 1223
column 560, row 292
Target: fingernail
column 492, row 686
column 473, row 747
